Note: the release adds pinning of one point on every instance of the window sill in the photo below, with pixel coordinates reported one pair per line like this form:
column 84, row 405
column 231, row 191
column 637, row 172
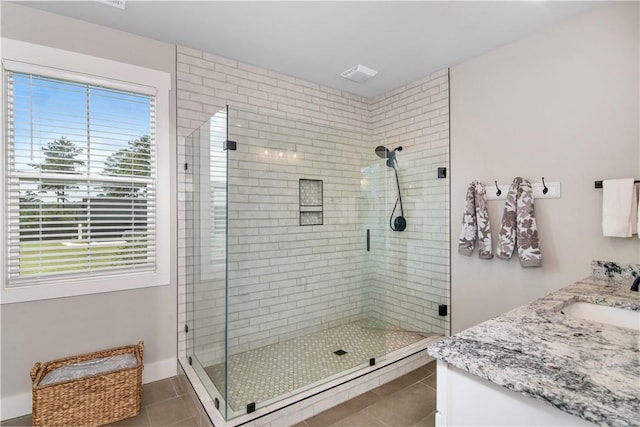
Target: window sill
column 86, row 286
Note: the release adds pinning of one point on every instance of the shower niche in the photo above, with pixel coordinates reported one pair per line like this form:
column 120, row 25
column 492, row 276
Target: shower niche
column 310, row 201
column 276, row 307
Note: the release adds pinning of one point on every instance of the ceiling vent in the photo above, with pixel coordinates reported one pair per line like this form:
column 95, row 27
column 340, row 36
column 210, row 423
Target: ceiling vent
column 358, row 73
column 115, row 3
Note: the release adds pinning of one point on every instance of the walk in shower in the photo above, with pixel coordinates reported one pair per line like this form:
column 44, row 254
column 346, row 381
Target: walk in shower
column 296, row 275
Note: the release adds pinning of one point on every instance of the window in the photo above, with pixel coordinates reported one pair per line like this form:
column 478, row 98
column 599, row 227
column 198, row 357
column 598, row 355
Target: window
column 81, row 183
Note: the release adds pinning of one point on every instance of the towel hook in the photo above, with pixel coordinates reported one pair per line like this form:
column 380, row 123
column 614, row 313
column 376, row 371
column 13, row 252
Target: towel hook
column 545, row 190
column 499, row 192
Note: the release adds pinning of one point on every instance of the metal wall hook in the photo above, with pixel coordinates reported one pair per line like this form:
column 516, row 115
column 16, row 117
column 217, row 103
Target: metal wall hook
column 499, row 192
column 545, row 190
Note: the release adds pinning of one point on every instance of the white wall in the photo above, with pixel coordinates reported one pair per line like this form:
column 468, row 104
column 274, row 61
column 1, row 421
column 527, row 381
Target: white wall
column 563, row 104
column 50, row 329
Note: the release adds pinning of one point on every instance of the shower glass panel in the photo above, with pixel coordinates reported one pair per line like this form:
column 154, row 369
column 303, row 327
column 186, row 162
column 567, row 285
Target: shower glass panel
column 206, row 211
column 298, row 278
column 407, row 271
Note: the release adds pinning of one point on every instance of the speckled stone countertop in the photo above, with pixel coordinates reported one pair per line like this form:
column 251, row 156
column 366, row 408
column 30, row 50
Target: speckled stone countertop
column 587, row 369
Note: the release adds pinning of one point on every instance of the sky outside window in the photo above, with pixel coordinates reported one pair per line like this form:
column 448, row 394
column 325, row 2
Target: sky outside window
column 97, row 120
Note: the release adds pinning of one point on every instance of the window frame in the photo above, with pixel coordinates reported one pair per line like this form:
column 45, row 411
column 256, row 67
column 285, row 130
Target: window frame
column 56, row 63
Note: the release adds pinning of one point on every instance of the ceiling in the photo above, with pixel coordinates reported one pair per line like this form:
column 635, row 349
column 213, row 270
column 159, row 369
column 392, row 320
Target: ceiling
column 317, row 40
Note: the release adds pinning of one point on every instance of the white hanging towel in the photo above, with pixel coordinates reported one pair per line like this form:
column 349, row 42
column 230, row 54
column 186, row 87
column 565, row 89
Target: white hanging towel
column 635, row 212
column 636, row 218
column 617, row 202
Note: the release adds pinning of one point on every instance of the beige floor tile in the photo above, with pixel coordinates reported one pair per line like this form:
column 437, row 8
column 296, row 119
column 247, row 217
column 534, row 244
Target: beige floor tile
column 359, row 419
column 181, row 385
column 419, row 374
column 17, row 422
column 405, row 407
column 205, row 422
column 191, row 422
column 428, row 421
column 201, row 413
column 431, row 381
column 337, row 413
column 326, row 418
column 301, row 424
column 141, row 420
column 171, row 411
column 431, row 366
column 158, row 391
column 402, row 382
column 184, row 388
column 362, row 401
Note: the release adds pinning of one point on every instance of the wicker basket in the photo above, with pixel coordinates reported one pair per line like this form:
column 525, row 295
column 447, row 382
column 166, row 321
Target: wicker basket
column 93, row 400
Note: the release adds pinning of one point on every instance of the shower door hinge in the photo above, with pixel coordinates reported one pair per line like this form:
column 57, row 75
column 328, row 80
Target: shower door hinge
column 442, row 172
column 372, row 361
column 442, row 310
column 230, row 145
column 186, row 329
column 251, row 407
column 186, row 166
column 190, row 361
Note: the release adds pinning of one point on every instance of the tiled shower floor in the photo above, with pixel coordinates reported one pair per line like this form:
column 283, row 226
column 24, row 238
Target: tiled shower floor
column 265, row 373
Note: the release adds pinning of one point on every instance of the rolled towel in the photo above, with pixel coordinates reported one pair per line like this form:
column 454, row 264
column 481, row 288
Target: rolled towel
column 475, row 223
column 89, row 368
column 518, row 226
column 617, row 201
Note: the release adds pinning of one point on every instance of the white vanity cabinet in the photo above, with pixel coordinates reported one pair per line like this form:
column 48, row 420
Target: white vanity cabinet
column 465, row 399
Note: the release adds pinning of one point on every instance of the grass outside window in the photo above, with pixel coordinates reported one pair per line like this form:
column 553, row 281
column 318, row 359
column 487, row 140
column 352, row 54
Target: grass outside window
column 72, row 255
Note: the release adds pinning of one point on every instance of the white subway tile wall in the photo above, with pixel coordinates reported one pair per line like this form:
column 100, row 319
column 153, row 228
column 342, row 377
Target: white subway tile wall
column 409, row 270
column 285, row 279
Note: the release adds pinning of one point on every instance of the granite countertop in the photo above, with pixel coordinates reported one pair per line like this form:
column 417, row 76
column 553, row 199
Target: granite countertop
column 587, row 369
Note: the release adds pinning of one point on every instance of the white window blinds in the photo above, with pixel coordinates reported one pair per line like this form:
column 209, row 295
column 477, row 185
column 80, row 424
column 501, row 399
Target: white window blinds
column 81, row 175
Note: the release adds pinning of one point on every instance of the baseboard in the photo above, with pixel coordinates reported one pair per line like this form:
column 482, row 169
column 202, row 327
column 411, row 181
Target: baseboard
column 19, row 405
column 160, row 370
column 15, row 406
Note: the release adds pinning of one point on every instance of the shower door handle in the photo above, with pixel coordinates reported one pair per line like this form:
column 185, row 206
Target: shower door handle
column 368, row 240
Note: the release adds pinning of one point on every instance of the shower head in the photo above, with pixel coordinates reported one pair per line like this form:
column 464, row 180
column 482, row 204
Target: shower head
column 384, row 153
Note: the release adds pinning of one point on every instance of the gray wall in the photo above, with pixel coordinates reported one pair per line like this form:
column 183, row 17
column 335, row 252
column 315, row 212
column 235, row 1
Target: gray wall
column 563, row 104
column 49, row 329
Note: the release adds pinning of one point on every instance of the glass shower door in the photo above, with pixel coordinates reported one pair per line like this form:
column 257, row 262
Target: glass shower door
column 207, row 266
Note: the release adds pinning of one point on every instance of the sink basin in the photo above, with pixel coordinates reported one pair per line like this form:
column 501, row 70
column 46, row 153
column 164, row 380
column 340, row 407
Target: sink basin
column 604, row 314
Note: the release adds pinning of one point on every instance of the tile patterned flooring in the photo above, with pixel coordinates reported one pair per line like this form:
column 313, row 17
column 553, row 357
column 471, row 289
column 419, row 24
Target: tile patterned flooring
column 408, row 401
column 271, row 371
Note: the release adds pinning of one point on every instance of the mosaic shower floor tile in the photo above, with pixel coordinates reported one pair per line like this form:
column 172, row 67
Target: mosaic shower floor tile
column 265, row 373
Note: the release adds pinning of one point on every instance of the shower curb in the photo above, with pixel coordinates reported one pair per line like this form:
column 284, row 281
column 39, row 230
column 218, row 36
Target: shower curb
column 303, row 405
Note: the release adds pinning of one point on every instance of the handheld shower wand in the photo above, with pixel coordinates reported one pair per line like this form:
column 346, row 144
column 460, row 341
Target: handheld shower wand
column 399, row 223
